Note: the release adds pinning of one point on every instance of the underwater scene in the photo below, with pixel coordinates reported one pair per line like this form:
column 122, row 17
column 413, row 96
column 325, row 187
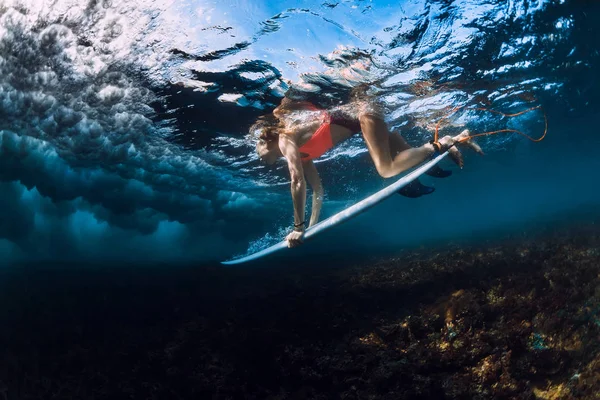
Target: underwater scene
column 335, row 199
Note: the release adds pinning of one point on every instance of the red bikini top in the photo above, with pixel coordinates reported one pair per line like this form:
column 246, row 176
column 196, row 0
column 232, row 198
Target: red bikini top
column 319, row 142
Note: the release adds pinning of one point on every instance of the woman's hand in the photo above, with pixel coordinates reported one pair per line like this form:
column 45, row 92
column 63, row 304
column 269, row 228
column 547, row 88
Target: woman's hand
column 295, row 238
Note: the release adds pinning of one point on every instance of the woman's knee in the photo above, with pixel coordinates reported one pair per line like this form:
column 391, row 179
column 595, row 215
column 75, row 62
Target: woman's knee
column 384, row 170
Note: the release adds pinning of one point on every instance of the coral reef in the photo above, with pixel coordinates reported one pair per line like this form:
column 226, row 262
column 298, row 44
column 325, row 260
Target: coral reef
column 518, row 319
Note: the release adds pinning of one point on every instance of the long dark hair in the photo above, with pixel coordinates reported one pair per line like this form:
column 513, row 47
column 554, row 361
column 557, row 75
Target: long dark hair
column 266, row 128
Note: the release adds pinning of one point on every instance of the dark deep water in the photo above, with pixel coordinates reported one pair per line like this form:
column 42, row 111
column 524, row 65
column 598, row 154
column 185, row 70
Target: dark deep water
column 126, row 174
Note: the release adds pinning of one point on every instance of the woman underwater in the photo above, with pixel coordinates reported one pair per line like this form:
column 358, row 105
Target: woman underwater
column 300, row 132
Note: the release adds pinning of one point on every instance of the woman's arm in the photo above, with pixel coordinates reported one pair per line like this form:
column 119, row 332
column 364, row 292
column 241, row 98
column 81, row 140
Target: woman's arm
column 289, row 149
column 312, row 176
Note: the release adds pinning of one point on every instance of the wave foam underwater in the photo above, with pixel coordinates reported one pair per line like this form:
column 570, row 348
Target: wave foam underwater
column 123, row 124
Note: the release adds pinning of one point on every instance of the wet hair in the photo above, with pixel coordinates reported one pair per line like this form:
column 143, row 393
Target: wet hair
column 266, row 128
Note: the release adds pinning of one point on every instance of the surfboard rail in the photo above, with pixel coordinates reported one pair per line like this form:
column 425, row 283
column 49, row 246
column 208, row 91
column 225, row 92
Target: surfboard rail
column 348, row 213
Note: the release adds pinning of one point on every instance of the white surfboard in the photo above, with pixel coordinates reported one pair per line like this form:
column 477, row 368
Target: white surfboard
column 346, row 214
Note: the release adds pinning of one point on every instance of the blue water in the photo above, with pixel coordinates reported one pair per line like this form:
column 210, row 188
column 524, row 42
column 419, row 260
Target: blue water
column 124, row 124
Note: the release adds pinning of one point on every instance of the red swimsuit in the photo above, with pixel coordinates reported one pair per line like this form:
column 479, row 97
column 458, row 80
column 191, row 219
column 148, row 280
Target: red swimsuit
column 319, row 142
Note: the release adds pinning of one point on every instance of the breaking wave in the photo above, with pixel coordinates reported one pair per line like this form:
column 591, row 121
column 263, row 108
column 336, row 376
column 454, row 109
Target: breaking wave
column 124, row 124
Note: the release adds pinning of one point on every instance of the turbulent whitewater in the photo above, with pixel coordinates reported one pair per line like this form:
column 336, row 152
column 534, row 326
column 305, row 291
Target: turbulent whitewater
column 124, row 124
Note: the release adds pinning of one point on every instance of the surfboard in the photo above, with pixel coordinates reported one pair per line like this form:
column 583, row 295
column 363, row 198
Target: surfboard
column 346, row 214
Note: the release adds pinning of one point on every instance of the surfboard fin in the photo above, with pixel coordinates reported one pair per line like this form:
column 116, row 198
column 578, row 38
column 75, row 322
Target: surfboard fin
column 415, row 189
column 438, row 172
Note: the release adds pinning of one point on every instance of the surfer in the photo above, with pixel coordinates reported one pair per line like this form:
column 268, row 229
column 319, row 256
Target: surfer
column 300, row 132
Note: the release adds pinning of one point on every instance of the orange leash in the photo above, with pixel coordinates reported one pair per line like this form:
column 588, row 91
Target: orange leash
column 437, row 126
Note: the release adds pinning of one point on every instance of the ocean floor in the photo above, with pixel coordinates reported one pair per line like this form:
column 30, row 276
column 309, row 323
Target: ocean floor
column 516, row 319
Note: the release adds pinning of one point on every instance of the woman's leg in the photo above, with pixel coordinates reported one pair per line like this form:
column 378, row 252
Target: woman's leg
column 382, row 148
column 397, row 144
column 415, row 188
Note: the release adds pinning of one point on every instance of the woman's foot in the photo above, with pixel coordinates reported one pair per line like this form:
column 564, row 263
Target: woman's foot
column 463, row 138
column 415, row 189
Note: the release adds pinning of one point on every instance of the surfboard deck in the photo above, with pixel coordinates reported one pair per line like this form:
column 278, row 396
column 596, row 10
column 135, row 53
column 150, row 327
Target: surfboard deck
column 346, row 214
